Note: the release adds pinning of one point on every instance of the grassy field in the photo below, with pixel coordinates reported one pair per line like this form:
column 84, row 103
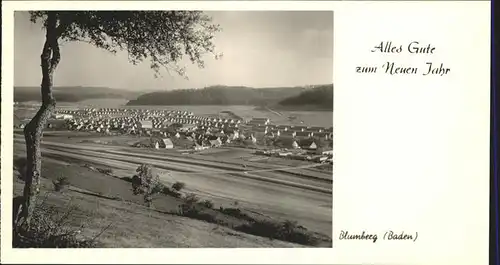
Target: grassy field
column 134, row 226
column 101, row 199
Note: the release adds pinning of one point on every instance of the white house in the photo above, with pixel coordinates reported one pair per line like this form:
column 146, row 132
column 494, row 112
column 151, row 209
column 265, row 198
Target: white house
column 168, row 144
column 63, row 116
column 145, row 124
column 328, row 152
column 216, row 143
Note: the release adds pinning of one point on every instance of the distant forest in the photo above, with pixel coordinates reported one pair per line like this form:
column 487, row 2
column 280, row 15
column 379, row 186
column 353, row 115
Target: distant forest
column 73, row 93
column 320, row 96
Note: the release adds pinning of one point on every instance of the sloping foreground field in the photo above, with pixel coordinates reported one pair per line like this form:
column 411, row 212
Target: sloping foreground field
column 133, row 225
column 278, row 194
column 258, row 199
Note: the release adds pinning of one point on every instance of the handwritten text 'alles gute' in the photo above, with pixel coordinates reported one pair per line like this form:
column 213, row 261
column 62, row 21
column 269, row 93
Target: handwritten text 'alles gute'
column 392, row 68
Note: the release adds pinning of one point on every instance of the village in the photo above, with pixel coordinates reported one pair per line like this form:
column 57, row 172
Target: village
column 169, row 129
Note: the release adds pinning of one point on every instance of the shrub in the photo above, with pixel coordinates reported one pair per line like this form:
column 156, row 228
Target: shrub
column 202, row 216
column 20, row 166
column 207, row 203
column 127, row 179
column 107, row 171
column 167, row 191
column 191, row 198
column 49, row 230
column 236, row 212
column 90, row 167
column 146, row 183
column 286, row 231
column 178, row 186
column 61, row 183
column 158, row 188
column 189, row 206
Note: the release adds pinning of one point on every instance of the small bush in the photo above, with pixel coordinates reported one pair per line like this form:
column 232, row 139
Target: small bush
column 146, row 183
column 195, row 213
column 191, row 198
column 49, row 229
column 167, row 191
column 107, row 171
column 127, row 179
column 158, row 188
column 193, row 209
column 20, row 166
column 236, row 212
column 178, row 186
column 90, row 167
column 189, row 207
column 207, row 203
column 286, row 231
column 61, row 183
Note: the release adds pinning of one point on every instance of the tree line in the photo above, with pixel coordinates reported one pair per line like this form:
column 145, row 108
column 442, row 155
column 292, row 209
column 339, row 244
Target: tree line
column 238, row 95
column 321, row 96
column 73, row 94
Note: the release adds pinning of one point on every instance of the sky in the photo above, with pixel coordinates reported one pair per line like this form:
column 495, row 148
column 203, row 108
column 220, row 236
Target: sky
column 260, row 49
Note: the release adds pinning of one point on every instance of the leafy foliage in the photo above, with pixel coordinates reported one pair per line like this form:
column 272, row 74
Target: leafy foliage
column 191, row 199
column 319, row 96
column 73, row 93
column 20, row 166
column 51, row 229
column 163, row 37
column 287, row 231
column 61, row 183
column 107, row 171
column 146, row 182
column 218, row 95
column 178, row 186
column 236, row 212
column 208, row 204
column 170, row 192
column 190, row 204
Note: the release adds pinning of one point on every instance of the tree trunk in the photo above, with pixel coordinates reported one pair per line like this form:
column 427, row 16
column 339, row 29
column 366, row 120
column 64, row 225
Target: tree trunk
column 33, row 131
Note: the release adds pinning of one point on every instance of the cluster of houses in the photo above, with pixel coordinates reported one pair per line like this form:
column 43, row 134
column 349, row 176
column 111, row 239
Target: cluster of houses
column 169, row 129
column 319, row 157
column 137, row 121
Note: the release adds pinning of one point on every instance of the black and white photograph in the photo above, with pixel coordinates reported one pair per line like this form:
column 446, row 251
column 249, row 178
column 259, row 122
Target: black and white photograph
column 173, row 129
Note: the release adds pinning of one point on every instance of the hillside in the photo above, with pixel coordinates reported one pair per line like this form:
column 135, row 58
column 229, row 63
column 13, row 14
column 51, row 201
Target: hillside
column 218, row 95
column 133, row 225
column 73, row 93
column 320, row 97
column 100, row 197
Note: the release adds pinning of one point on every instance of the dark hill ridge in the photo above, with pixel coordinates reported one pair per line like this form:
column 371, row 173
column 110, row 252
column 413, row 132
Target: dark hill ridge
column 320, row 97
column 317, row 97
column 73, row 93
column 234, row 95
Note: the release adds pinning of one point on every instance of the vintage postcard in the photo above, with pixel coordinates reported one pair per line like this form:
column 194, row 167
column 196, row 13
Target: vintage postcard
column 245, row 132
